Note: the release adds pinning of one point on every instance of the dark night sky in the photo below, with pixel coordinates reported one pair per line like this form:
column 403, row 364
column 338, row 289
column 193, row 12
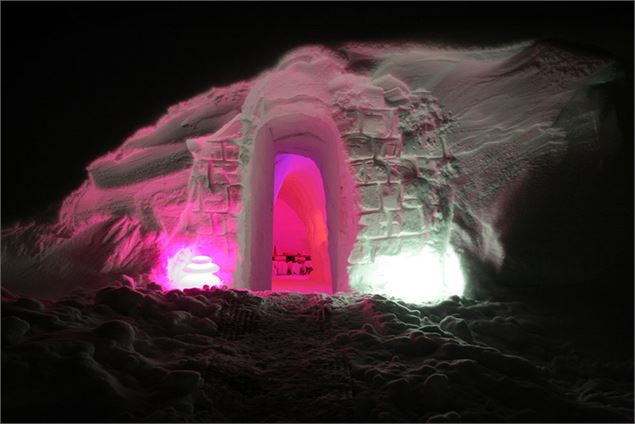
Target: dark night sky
column 77, row 79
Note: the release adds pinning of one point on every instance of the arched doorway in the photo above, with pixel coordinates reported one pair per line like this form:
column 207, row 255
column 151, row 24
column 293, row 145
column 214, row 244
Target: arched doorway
column 300, row 257
column 307, row 138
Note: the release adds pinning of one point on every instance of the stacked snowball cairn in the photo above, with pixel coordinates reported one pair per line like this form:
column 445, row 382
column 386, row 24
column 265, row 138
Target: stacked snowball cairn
column 200, row 271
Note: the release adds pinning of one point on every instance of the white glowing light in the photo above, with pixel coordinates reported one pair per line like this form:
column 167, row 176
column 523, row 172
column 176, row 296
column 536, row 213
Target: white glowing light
column 199, row 272
column 423, row 277
column 189, row 271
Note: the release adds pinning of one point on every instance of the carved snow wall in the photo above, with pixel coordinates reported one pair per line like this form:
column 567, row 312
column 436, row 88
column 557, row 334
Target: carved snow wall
column 382, row 146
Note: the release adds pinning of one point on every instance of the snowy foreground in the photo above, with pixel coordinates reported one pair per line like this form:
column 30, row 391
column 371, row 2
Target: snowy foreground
column 124, row 354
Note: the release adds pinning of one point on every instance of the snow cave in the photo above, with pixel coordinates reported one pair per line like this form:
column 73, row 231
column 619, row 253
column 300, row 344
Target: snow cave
column 321, row 176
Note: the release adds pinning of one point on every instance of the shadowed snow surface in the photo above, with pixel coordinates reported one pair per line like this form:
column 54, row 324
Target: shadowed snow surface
column 124, row 354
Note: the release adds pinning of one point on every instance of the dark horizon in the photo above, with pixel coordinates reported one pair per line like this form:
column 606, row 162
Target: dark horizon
column 78, row 79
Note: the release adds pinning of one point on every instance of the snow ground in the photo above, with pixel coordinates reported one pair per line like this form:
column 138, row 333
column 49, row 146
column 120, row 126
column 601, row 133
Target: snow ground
column 124, row 354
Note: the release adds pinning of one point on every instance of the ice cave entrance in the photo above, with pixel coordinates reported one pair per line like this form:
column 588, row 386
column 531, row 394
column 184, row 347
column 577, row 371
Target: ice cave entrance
column 298, row 158
column 300, row 254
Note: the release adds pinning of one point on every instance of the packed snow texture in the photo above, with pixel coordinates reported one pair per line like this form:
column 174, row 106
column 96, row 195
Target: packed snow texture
column 521, row 134
column 219, row 355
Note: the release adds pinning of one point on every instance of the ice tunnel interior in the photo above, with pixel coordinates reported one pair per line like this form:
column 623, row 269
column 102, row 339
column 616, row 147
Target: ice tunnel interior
column 300, row 233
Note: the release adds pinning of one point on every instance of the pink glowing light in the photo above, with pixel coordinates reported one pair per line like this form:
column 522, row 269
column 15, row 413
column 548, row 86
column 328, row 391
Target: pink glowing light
column 184, row 267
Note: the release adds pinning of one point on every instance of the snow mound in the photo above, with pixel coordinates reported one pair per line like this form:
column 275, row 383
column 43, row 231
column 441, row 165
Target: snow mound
column 507, row 155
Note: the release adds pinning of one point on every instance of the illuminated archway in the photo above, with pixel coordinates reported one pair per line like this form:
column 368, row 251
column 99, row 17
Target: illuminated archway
column 316, row 139
column 300, row 231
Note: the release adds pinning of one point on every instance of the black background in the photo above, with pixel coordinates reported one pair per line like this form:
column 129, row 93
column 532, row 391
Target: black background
column 78, row 78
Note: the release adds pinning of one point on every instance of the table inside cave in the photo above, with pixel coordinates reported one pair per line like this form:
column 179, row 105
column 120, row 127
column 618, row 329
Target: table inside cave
column 297, row 284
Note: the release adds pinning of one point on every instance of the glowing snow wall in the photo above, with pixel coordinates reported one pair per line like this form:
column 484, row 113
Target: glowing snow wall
column 208, row 222
column 380, row 155
column 402, row 175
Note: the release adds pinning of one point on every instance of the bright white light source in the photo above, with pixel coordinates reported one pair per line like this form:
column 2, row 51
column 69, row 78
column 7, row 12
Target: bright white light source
column 199, row 272
column 423, row 277
column 189, row 271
